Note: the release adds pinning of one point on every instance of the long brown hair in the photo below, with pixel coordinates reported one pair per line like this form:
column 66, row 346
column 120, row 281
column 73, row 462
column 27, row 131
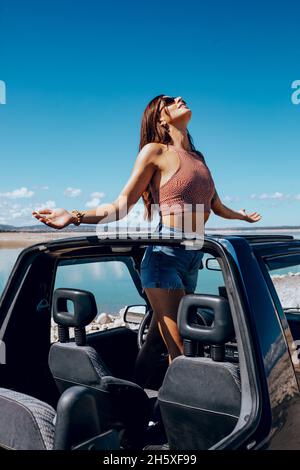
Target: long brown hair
column 153, row 131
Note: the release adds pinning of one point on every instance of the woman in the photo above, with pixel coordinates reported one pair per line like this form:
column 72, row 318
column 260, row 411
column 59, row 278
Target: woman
column 168, row 172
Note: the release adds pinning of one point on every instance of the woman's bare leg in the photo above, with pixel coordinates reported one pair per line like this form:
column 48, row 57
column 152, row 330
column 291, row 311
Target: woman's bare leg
column 164, row 303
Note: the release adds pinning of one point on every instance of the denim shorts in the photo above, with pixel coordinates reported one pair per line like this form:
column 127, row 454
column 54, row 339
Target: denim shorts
column 170, row 267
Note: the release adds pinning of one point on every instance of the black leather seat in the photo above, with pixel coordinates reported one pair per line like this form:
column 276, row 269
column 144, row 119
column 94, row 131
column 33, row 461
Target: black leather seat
column 126, row 407
column 200, row 398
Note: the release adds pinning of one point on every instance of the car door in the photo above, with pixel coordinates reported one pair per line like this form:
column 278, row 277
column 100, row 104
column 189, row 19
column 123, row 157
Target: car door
column 281, row 269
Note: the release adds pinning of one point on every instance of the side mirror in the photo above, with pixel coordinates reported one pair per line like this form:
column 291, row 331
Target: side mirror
column 134, row 314
column 212, row 264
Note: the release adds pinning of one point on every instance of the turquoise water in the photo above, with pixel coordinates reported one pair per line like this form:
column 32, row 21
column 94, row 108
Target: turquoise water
column 110, row 281
column 7, row 260
column 112, row 284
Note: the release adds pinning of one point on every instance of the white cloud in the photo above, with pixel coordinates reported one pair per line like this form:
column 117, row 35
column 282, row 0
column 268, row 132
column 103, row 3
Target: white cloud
column 48, row 204
column 93, row 202
column 297, row 197
column 277, row 195
column 72, row 192
column 18, row 214
column 231, row 198
column 98, row 194
column 95, row 199
column 15, row 211
column 264, row 196
column 43, row 187
column 18, row 193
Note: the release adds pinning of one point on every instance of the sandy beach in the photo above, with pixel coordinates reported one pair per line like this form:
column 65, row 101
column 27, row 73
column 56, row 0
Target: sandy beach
column 24, row 239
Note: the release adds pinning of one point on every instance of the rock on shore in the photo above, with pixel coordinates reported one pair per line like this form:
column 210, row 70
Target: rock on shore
column 288, row 289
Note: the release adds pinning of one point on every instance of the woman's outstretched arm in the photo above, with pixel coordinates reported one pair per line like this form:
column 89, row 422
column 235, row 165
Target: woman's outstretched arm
column 143, row 170
column 222, row 211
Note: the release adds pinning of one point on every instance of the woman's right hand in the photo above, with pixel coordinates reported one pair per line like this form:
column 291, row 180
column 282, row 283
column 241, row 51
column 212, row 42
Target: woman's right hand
column 57, row 218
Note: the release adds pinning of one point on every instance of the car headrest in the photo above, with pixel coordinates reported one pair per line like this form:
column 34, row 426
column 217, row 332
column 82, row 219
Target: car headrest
column 219, row 332
column 84, row 307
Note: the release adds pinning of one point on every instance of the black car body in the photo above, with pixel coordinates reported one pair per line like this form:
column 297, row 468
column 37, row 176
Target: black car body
column 253, row 402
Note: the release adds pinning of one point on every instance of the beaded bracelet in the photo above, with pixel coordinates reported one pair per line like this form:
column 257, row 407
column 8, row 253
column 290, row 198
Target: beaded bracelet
column 78, row 216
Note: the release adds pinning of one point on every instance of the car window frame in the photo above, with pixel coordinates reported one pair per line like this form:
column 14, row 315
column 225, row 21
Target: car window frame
column 287, row 334
column 131, row 267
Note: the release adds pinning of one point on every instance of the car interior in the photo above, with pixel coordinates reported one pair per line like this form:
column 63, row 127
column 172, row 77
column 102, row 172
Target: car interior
column 79, row 392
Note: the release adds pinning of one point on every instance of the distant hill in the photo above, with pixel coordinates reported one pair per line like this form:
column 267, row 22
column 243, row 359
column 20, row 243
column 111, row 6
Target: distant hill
column 40, row 228
column 7, row 228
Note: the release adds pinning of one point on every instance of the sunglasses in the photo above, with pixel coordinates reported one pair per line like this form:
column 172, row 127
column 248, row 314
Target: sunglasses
column 168, row 101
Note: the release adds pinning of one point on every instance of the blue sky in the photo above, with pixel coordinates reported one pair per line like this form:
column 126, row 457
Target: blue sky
column 79, row 74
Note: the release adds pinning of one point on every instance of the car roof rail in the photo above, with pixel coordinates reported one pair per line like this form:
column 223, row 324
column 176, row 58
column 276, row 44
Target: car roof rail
column 267, row 238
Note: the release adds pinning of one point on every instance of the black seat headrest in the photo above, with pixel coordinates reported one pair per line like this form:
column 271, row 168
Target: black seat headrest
column 84, row 307
column 219, row 332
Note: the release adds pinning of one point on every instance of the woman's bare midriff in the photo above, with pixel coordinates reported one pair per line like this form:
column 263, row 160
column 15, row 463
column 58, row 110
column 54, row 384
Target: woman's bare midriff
column 167, row 165
column 189, row 222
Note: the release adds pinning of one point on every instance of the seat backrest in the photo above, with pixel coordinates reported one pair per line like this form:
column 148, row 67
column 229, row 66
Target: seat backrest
column 199, row 402
column 71, row 364
column 200, row 398
column 126, row 406
column 26, row 422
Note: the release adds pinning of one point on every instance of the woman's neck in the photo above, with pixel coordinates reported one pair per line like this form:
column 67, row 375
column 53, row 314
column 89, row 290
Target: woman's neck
column 179, row 137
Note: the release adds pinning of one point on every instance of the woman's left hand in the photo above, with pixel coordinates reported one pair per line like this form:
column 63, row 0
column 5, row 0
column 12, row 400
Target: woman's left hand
column 251, row 217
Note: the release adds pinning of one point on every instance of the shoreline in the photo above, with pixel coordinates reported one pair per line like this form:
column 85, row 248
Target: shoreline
column 25, row 239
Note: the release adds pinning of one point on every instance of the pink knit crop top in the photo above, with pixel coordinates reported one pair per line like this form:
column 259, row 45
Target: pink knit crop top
column 192, row 183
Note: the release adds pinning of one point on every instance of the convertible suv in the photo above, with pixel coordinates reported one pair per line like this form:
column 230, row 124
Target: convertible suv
column 73, row 318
